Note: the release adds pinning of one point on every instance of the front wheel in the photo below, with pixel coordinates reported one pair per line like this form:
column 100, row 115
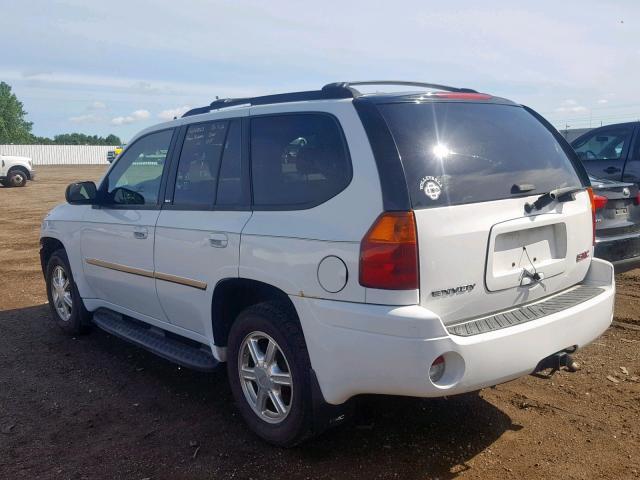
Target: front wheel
column 268, row 368
column 66, row 304
column 16, row 178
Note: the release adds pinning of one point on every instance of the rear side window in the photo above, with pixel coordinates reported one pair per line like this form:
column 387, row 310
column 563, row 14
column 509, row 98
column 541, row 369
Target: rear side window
column 199, row 164
column 604, row 144
column 298, row 160
column 457, row 152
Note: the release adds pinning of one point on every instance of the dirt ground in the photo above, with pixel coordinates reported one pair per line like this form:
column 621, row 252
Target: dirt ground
column 96, row 407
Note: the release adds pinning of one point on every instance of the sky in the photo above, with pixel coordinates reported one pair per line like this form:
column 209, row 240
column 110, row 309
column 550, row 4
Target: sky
column 101, row 67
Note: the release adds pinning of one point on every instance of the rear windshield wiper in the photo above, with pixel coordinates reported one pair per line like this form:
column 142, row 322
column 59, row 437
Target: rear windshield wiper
column 565, row 194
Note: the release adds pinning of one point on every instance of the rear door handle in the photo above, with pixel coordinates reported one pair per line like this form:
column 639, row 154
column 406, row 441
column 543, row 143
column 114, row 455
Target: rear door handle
column 611, row 170
column 140, row 233
column 218, row 240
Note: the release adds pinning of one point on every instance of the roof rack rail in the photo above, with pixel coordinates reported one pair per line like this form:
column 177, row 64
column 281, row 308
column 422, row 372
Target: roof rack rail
column 435, row 86
column 330, row 91
column 324, row 94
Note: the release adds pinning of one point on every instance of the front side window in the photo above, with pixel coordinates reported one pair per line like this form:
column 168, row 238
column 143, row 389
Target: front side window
column 298, row 160
column 199, row 164
column 605, row 144
column 135, row 178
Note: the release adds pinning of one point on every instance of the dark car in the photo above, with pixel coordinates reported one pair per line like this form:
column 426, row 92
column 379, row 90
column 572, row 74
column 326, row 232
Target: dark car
column 611, row 152
column 617, row 223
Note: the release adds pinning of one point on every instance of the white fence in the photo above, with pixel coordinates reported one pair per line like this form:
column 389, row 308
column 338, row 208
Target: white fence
column 60, row 154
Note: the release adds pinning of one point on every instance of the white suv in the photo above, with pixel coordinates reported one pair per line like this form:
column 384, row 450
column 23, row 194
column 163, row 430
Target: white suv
column 330, row 243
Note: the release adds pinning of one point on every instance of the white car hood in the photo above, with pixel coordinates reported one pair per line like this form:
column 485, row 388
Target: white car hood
column 15, row 158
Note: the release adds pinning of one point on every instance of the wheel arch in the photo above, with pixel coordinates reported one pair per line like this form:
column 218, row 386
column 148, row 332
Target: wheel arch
column 48, row 245
column 233, row 295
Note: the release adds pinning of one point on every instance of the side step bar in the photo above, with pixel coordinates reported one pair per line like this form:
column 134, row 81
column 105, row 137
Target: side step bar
column 184, row 353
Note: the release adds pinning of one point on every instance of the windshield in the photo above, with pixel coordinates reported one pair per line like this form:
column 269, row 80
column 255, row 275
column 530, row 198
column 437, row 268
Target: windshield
column 457, row 152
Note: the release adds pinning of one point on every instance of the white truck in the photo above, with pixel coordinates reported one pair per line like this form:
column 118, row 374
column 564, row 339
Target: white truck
column 15, row 171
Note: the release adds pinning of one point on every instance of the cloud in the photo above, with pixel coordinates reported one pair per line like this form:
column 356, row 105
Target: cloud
column 88, row 118
column 173, row 112
column 603, row 101
column 571, row 106
column 97, row 106
column 131, row 118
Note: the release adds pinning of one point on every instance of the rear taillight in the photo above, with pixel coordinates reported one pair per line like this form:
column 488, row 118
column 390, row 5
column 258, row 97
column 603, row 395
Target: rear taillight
column 599, row 202
column 389, row 253
column 593, row 212
column 636, row 200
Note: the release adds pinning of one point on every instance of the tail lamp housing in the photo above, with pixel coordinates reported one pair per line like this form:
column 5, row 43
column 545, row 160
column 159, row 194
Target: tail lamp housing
column 389, row 253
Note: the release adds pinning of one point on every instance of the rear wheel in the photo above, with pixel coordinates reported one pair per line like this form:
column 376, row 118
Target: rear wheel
column 16, row 178
column 66, row 305
column 268, row 369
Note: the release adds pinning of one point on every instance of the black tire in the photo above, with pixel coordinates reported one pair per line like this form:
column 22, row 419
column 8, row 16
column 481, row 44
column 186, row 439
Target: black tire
column 3, row 183
column 16, row 178
column 79, row 319
column 275, row 320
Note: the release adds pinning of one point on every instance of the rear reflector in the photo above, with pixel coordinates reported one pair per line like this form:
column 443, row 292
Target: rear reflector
column 593, row 212
column 436, row 371
column 389, row 253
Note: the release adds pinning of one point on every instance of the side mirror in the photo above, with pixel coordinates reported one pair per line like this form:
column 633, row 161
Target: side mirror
column 81, row 193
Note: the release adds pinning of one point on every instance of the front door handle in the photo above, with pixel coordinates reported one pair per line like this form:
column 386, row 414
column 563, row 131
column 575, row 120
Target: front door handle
column 218, row 240
column 611, row 170
column 140, row 233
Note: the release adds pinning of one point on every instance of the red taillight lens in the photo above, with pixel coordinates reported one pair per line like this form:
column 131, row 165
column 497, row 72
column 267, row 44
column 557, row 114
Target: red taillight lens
column 460, row 95
column 599, row 201
column 389, row 253
column 593, row 211
column 636, row 201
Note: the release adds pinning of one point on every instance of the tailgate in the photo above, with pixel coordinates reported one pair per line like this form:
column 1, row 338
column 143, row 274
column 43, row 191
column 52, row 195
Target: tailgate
column 474, row 258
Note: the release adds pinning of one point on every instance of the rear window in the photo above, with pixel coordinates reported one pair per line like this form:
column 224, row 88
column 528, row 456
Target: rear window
column 455, row 153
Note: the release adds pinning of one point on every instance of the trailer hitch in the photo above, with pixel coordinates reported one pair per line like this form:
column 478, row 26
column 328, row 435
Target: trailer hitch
column 556, row 362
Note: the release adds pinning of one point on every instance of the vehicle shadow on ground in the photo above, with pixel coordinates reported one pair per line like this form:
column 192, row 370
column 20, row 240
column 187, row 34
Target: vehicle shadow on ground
column 96, row 406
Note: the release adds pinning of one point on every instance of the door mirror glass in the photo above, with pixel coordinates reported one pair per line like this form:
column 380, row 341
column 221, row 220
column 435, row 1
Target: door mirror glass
column 81, row 193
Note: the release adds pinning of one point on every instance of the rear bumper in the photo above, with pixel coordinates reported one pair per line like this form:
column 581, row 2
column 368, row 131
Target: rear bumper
column 358, row 348
column 623, row 252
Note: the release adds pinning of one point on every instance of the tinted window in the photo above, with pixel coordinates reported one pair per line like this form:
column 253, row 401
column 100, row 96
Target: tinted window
column 199, row 164
column 455, row 153
column 605, row 144
column 230, row 184
column 298, row 160
column 136, row 176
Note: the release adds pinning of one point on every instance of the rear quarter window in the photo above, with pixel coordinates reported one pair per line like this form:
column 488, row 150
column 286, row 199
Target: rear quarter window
column 297, row 160
column 458, row 152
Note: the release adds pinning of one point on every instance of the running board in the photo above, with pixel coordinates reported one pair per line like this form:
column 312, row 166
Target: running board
column 187, row 353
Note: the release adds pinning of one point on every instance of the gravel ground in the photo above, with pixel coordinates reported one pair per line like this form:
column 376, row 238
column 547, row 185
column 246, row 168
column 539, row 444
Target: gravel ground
column 96, row 407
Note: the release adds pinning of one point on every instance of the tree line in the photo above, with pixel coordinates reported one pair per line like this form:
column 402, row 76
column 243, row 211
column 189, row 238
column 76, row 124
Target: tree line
column 15, row 129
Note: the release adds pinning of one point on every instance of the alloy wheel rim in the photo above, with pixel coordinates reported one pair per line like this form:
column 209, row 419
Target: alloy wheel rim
column 265, row 377
column 18, row 179
column 61, row 293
